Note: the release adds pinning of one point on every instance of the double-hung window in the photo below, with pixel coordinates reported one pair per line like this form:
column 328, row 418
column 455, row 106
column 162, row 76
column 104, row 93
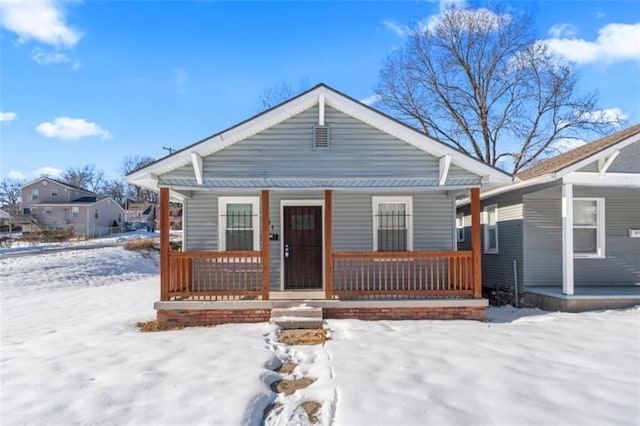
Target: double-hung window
column 588, row 227
column 75, row 212
column 35, row 194
column 491, row 229
column 239, row 223
column 392, row 223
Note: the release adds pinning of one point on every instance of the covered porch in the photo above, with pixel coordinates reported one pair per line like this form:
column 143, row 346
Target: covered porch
column 355, row 275
column 584, row 298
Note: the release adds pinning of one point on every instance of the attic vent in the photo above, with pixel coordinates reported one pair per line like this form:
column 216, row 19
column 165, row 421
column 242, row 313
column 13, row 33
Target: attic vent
column 321, row 137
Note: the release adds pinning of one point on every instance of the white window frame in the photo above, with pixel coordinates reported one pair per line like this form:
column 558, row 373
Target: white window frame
column 35, row 194
column 600, row 229
column 222, row 211
column 460, row 232
column 48, row 210
column 487, row 227
column 408, row 201
column 75, row 212
column 54, row 192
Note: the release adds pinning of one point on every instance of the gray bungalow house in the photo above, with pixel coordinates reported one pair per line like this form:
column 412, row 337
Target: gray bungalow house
column 322, row 199
column 566, row 234
column 52, row 204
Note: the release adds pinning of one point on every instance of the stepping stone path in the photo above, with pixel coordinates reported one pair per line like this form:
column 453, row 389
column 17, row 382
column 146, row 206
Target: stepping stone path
column 289, row 384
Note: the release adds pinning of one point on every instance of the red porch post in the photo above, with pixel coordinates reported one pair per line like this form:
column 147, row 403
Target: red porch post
column 475, row 243
column 164, row 244
column 328, row 244
column 264, row 246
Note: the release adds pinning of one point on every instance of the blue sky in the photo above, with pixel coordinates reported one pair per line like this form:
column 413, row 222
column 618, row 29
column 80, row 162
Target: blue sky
column 92, row 82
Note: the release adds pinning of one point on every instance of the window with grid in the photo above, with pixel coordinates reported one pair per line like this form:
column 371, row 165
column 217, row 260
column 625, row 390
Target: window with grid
column 588, row 227
column 393, row 227
column 239, row 223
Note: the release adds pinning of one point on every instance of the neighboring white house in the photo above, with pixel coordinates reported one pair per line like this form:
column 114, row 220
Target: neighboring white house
column 52, row 204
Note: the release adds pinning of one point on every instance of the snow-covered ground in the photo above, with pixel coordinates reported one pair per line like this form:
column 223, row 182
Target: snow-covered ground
column 72, row 354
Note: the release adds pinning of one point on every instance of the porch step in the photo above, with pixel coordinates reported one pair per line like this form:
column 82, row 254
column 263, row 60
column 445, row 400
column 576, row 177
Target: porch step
column 301, row 316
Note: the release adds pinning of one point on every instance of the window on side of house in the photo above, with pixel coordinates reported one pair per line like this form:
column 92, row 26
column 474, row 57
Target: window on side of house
column 392, row 223
column 54, row 192
column 239, row 223
column 95, row 215
column 491, row 229
column 75, row 212
column 48, row 210
column 35, row 194
column 588, row 227
column 460, row 227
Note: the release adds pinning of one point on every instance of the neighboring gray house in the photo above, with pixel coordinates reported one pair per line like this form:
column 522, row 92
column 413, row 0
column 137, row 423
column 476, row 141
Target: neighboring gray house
column 567, row 232
column 324, row 198
column 52, row 204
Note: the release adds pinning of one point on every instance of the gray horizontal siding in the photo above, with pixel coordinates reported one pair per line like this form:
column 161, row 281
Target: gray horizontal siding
column 201, row 219
column 543, row 241
column 285, row 151
column 628, row 161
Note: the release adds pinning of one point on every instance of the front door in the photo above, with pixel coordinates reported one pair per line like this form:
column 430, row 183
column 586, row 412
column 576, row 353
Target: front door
column 302, row 243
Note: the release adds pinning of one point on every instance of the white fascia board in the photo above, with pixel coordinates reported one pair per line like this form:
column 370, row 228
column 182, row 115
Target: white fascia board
column 599, row 155
column 197, row 167
column 236, row 134
column 415, row 138
column 627, row 180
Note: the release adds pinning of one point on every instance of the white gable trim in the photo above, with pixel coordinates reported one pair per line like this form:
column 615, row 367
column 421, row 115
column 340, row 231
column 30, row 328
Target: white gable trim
column 601, row 155
column 321, row 95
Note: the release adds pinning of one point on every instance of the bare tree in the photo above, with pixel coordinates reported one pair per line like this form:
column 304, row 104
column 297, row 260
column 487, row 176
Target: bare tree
column 480, row 80
column 276, row 94
column 116, row 189
column 136, row 193
column 84, row 177
column 10, row 193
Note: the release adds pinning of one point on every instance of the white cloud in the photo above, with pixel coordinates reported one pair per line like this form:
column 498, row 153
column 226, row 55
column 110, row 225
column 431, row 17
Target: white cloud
column 16, row 175
column 47, row 58
column 8, row 116
column 615, row 43
column 567, row 144
column 613, row 116
column 71, row 129
column 48, row 171
column 370, row 100
column 563, row 30
column 399, row 29
column 41, row 20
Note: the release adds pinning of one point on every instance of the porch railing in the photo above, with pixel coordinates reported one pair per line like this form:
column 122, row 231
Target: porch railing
column 445, row 273
column 215, row 275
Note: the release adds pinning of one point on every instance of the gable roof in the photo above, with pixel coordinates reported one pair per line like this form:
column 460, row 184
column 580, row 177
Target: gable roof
column 577, row 155
column 59, row 182
column 147, row 176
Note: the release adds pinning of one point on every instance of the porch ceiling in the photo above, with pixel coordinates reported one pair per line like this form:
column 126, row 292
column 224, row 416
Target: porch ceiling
column 320, row 183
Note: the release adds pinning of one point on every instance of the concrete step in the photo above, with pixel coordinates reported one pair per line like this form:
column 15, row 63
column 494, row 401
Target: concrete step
column 301, row 316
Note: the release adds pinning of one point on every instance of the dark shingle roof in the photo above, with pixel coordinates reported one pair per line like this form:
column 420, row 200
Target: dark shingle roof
column 85, row 200
column 557, row 163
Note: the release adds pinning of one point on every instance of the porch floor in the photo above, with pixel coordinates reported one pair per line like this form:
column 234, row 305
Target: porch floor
column 586, row 298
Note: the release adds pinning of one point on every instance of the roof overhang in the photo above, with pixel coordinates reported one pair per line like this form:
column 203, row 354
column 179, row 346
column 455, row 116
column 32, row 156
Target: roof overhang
column 147, row 177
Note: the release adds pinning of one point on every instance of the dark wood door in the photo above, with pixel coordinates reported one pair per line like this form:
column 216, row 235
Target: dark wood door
column 302, row 242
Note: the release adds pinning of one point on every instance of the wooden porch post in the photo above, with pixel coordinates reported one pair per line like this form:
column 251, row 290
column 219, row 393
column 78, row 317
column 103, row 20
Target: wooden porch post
column 328, row 244
column 264, row 233
column 164, row 244
column 475, row 243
